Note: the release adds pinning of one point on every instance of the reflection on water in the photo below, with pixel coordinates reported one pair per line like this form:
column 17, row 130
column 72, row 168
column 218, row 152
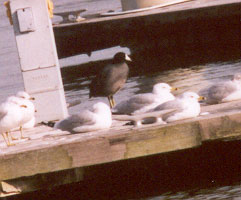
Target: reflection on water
column 225, row 193
column 76, row 80
column 217, row 178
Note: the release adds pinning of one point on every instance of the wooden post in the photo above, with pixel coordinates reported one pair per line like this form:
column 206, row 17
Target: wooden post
column 38, row 58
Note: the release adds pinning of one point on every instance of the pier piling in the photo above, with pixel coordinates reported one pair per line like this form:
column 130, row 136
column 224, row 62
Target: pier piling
column 38, row 58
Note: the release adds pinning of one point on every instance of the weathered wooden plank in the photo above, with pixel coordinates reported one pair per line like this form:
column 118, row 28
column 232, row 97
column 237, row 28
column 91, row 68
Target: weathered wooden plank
column 132, row 29
column 50, row 154
column 40, row 181
column 164, row 140
column 222, row 126
column 192, row 5
column 55, row 150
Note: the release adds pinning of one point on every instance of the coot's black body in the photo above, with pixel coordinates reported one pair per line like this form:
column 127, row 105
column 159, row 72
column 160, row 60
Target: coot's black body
column 111, row 79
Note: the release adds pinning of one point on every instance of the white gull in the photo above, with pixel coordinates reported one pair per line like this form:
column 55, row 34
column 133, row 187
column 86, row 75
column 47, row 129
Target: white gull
column 185, row 106
column 88, row 120
column 11, row 114
column 225, row 91
column 141, row 103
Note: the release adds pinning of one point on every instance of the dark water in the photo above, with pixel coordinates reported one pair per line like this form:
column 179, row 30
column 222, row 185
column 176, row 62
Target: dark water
column 216, row 183
column 76, row 80
column 210, row 172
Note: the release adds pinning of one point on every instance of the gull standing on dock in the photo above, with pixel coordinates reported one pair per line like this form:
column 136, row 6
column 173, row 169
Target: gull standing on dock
column 24, row 95
column 88, row 120
column 225, row 91
column 141, row 103
column 111, row 79
column 11, row 114
column 185, row 105
column 28, row 118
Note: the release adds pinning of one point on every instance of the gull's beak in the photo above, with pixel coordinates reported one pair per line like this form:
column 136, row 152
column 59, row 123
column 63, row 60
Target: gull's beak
column 128, row 58
column 174, row 89
column 23, row 106
column 32, row 98
column 201, row 98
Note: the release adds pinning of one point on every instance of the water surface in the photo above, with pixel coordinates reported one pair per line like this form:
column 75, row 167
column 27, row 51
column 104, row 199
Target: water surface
column 76, row 81
column 195, row 78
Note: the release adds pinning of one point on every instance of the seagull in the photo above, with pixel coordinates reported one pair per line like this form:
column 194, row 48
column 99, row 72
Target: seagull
column 99, row 117
column 111, row 79
column 30, row 124
column 11, row 114
column 24, row 95
column 185, row 106
column 141, row 103
column 28, row 118
column 225, row 91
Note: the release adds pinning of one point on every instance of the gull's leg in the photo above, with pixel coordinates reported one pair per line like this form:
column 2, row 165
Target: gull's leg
column 5, row 139
column 110, row 102
column 13, row 138
column 9, row 140
column 113, row 101
column 21, row 132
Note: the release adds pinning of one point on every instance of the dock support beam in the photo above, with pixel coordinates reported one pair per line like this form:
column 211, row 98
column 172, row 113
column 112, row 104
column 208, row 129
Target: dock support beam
column 38, row 58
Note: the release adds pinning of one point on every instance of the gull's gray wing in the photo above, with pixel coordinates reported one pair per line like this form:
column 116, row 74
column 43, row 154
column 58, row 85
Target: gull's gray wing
column 84, row 118
column 135, row 103
column 173, row 104
column 3, row 112
column 220, row 91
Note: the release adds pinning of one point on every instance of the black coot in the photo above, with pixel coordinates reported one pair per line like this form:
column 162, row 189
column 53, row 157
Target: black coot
column 111, row 79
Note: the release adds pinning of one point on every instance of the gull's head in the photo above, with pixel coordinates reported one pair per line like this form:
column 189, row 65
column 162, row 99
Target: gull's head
column 25, row 98
column 24, row 95
column 160, row 88
column 192, row 96
column 237, row 77
column 14, row 99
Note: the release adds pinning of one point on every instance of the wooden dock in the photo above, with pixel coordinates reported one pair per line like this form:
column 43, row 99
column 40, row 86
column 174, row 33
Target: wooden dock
column 52, row 157
column 197, row 26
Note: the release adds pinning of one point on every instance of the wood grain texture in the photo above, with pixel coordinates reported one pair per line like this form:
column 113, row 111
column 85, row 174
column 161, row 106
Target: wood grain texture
column 51, row 150
column 51, row 153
